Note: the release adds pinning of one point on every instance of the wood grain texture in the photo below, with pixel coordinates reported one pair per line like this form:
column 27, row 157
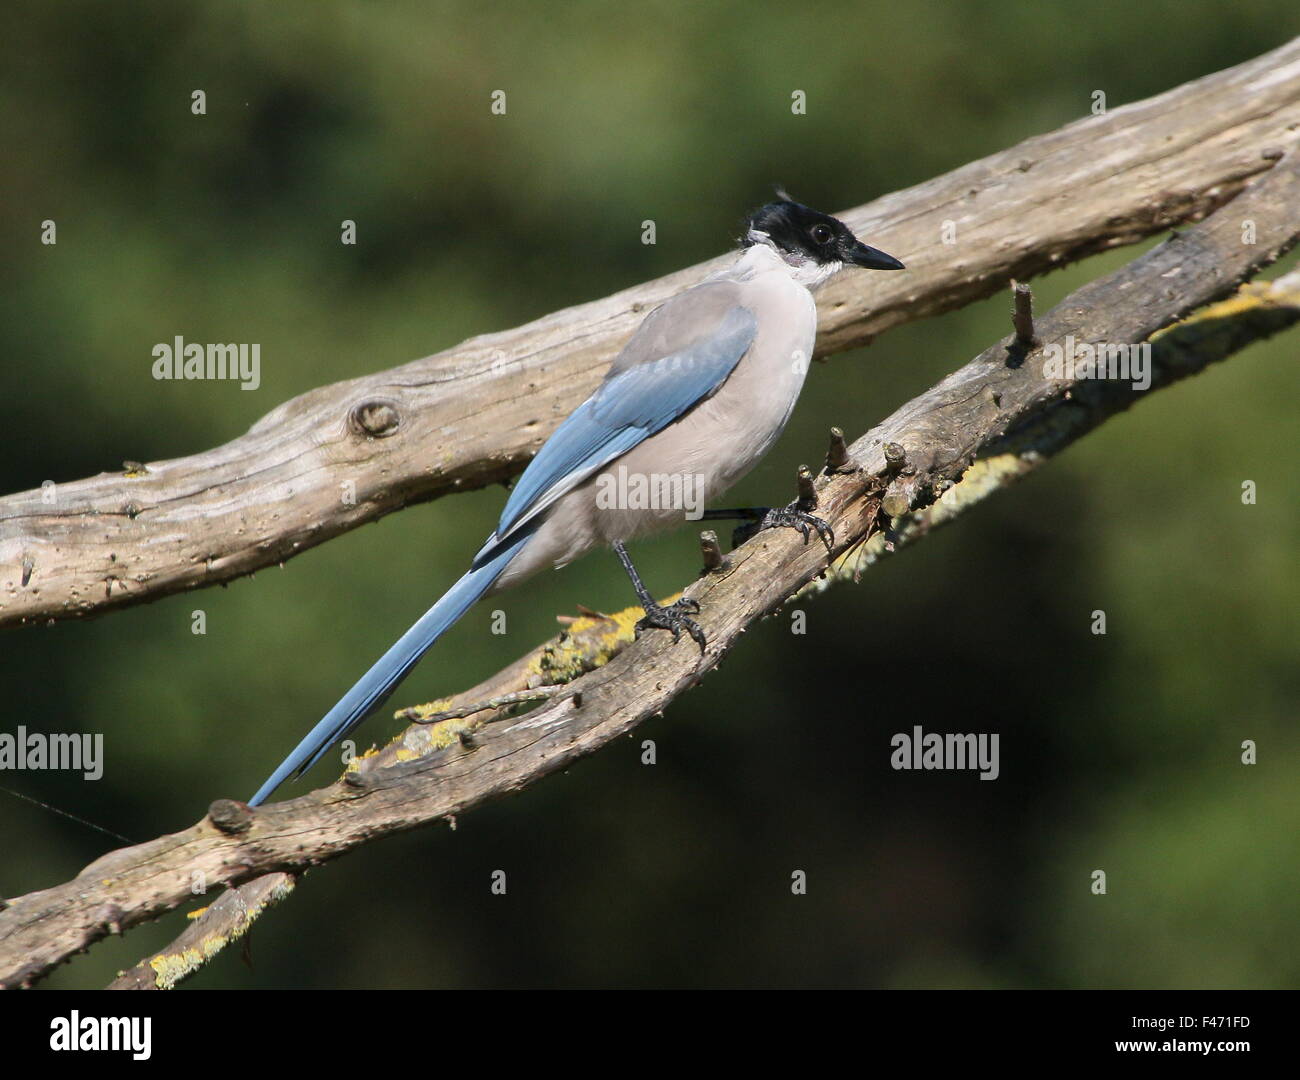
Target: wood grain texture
column 941, row 433
column 474, row 414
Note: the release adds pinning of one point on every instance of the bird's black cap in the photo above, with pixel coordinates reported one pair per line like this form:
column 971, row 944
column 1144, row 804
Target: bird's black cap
column 801, row 231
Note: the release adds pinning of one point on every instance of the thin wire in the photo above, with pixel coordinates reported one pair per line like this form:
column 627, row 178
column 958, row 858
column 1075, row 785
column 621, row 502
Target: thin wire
column 70, row 817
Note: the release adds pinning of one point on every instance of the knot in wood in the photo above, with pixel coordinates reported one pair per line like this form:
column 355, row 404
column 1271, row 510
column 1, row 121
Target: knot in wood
column 376, row 418
column 230, row 816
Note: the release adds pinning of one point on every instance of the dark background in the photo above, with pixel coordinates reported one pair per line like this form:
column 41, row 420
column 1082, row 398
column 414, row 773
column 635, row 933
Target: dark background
column 1118, row 752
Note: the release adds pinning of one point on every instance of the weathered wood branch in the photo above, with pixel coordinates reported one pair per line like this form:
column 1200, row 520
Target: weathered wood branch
column 942, row 432
column 474, row 414
column 1258, row 311
column 224, row 921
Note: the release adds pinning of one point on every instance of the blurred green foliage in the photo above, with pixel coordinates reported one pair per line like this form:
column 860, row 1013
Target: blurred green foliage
column 1119, row 752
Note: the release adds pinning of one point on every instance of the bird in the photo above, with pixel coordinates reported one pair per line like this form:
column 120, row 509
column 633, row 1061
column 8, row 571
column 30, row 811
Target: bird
column 698, row 395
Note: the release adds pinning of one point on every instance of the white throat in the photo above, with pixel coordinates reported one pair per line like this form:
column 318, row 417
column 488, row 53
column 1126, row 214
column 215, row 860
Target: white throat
column 762, row 256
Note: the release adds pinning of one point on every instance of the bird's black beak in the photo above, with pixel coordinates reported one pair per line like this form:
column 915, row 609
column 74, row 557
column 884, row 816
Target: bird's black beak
column 870, row 258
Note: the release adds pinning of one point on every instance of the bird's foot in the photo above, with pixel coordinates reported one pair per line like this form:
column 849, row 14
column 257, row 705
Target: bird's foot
column 674, row 617
column 788, row 517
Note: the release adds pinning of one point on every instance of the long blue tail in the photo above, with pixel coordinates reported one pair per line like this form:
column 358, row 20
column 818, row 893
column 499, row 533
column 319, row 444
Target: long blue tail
column 373, row 688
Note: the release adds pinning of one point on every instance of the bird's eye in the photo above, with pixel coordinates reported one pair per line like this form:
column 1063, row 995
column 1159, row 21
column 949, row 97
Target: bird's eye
column 822, row 234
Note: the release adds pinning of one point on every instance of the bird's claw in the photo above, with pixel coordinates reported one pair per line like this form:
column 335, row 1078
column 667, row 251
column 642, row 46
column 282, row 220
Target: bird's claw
column 674, row 617
column 789, row 517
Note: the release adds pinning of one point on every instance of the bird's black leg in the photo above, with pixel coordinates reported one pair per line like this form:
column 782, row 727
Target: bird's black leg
column 758, row 518
column 674, row 617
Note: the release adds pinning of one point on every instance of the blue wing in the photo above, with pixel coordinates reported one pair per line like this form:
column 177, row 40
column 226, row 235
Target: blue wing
column 657, row 378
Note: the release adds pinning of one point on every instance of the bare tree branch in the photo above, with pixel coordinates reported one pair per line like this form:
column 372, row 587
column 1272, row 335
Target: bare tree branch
column 941, row 432
column 226, row 920
column 474, row 414
column 1212, row 334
